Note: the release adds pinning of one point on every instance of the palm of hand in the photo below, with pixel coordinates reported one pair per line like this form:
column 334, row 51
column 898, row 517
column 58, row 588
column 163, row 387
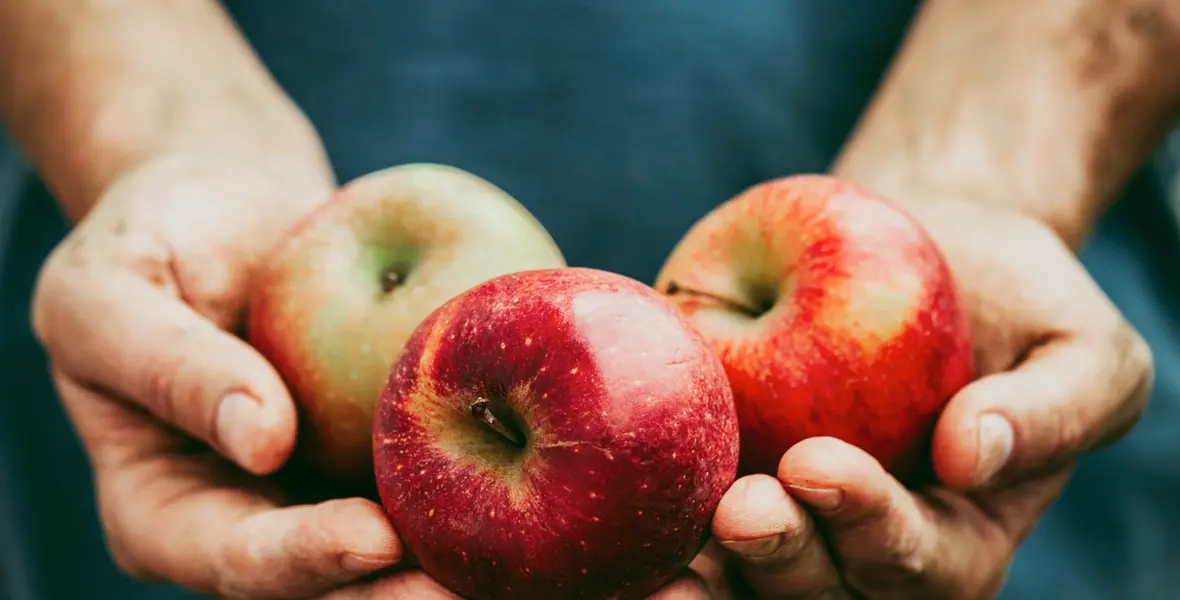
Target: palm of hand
column 159, row 273
column 162, row 394
column 1059, row 372
column 156, row 277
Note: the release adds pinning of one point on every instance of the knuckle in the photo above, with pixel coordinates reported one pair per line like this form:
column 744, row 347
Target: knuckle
column 126, row 563
column 1142, row 362
column 898, row 572
column 1137, row 371
column 237, row 566
column 161, row 387
column 321, row 528
column 256, row 556
column 37, row 316
column 240, row 561
column 177, row 381
column 1035, row 234
column 902, row 562
column 1032, row 227
column 46, row 291
column 69, row 272
column 1070, row 430
column 121, row 546
column 1139, row 355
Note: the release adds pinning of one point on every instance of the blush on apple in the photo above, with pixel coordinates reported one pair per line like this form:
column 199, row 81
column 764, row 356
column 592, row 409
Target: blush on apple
column 335, row 303
column 834, row 314
column 558, row 433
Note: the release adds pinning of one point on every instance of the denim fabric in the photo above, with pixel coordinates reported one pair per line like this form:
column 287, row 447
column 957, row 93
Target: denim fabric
column 618, row 123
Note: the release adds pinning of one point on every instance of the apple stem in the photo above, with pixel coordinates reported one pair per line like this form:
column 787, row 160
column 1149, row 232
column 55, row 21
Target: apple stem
column 673, row 289
column 481, row 409
column 390, row 278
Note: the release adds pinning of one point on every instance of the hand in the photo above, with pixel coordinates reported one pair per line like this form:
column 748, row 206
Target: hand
column 182, row 420
column 703, row 580
column 1060, row 372
column 135, row 309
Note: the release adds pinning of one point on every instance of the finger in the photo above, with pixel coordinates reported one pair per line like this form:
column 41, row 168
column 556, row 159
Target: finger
column 197, row 521
column 778, row 549
column 406, row 585
column 416, row 585
column 117, row 332
column 711, row 565
column 1066, row 398
column 889, row 542
column 689, row 586
column 235, row 545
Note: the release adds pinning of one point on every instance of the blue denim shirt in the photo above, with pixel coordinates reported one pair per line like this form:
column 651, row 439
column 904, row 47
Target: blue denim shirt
column 618, row 123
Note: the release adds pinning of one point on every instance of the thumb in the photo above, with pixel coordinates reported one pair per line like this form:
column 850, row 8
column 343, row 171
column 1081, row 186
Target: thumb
column 114, row 331
column 1070, row 395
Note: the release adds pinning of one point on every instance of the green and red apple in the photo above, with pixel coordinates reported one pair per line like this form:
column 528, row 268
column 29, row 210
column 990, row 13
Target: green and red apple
column 338, row 299
column 557, row 433
column 834, row 314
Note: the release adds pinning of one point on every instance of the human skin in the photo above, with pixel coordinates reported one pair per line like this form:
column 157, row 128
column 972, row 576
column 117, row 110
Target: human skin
column 163, row 137
column 1006, row 127
column 182, row 163
column 107, row 106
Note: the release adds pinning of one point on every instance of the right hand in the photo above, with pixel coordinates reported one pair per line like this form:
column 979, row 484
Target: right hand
column 135, row 309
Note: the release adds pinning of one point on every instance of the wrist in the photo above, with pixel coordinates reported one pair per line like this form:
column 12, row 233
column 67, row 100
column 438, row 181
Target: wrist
column 264, row 187
column 1069, row 206
column 1016, row 105
column 269, row 135
column 139, row 80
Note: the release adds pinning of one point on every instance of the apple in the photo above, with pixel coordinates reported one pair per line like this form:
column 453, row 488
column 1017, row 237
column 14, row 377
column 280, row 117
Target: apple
column 333, row 306
column 834, row 314
column 557, row 433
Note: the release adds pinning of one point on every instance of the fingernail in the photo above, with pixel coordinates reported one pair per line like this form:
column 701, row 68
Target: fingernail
column 821, row 499
column 360, row 564
column 237, row 425
column 995, row 446
column 755, row 548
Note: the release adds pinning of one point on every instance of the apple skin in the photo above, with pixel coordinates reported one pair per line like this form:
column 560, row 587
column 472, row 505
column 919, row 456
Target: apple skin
column 333, row 306
column 631, row 439
column 835, row 315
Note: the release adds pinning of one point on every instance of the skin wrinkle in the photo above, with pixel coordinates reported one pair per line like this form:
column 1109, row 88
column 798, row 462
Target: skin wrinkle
column 1007, row 121
column 111, row 98
column 168, row 100
column 984, row 88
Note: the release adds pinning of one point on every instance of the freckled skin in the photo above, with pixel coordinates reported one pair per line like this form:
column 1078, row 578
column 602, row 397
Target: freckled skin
column 863, row 339
column 328, row 315
column 632, row 439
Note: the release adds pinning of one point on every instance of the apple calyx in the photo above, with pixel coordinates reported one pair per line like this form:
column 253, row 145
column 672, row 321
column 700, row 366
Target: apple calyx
column 753, row 312
column 482, row 410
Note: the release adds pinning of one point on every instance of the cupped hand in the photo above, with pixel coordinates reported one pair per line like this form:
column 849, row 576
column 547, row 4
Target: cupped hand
column 183, row 421
column 1060, row 373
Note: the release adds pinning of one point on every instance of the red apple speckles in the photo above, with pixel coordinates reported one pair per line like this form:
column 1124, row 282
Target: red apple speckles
column 834, row 314
column 556, row 433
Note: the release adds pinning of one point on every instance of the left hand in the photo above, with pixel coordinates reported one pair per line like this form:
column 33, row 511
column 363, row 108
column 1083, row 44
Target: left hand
column 1060, row 373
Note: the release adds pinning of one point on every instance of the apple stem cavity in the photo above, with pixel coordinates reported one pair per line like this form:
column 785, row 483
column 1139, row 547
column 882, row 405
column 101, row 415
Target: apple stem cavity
column 673, row 289
column 481, row 409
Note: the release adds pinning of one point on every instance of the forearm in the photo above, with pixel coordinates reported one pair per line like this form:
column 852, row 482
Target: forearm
column 1047, row 107
column 90, row 89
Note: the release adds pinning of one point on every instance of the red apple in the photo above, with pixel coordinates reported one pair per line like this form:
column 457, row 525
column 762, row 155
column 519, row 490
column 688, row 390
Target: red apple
column 559, row 433
column 335, row 303
column 834, row 314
